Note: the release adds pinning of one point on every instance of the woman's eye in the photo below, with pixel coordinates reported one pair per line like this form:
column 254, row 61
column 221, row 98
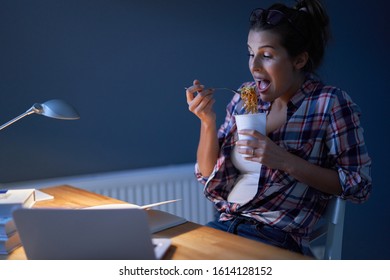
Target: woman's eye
column 251, row 55
column 267, row 55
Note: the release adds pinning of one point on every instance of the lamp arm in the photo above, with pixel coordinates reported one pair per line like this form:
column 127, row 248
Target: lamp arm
column 36, row 108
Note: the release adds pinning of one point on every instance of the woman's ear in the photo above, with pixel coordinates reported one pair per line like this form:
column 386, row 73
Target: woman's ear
column 301, row 60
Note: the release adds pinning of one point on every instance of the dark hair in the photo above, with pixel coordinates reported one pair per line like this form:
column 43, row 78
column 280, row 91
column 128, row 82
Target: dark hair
column 305, row 28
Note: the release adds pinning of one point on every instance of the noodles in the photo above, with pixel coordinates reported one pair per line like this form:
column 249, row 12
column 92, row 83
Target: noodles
column 248, row 95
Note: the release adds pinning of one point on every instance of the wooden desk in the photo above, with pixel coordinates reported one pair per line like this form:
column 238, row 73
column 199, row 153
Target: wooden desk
column 190, row 241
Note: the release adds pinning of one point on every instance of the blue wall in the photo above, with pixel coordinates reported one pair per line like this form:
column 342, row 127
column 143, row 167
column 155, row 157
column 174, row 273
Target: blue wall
column 123, row 65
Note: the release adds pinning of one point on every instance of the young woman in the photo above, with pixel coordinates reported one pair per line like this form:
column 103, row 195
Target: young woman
column 313, row 148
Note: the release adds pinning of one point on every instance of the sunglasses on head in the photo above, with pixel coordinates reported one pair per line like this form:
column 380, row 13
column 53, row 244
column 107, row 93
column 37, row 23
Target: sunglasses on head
column 271, row 17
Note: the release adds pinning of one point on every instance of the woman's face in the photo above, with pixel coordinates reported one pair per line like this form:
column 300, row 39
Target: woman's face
column 276, row 74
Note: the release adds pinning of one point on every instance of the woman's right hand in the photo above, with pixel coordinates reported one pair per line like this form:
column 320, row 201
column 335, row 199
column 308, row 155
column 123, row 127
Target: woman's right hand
column 200, row 102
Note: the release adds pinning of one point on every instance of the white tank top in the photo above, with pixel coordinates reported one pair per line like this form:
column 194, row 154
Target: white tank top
column 248, row 180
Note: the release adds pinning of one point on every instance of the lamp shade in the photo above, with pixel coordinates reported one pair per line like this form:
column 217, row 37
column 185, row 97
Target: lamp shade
column 57, row 109
column 54, row 108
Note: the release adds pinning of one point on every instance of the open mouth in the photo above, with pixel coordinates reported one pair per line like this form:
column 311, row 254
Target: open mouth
column 263, row 85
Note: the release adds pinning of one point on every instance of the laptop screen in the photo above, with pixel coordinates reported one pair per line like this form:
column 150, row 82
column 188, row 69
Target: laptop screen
column 85, row 234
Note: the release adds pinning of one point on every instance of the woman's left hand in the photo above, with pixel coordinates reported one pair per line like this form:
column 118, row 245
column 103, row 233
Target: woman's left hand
column 262, row 149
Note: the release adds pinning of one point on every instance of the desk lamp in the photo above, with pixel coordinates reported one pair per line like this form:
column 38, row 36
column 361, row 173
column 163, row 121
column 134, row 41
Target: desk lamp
column 55, row 108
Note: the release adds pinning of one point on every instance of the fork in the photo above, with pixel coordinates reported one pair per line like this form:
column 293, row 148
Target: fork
column 224, row 88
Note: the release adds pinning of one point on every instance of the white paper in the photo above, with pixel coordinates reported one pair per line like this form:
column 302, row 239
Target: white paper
column 41, row 196
column 129, row 205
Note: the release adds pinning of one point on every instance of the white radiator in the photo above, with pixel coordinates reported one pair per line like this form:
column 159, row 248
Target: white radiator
column 143, row 186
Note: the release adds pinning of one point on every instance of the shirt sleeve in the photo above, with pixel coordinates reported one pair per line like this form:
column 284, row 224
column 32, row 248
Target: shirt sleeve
column 201, row 179
column 347, row 149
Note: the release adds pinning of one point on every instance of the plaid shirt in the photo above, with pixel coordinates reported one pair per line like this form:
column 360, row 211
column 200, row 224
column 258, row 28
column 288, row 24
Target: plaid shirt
column 323, row 128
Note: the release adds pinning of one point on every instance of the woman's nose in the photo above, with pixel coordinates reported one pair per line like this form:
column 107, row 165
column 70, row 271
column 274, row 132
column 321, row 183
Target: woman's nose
column 255, row 64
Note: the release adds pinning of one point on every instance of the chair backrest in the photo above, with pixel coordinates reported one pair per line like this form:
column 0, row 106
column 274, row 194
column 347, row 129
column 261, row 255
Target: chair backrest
column 332, row 228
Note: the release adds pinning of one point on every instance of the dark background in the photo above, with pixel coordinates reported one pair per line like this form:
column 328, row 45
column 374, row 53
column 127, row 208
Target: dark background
column 123, row 64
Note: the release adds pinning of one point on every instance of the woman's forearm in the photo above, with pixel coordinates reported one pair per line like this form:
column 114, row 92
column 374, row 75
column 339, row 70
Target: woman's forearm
column 322, row 179
column 208, row 148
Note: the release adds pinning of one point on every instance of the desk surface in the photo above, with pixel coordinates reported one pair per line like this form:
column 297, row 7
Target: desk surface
column 190, row 241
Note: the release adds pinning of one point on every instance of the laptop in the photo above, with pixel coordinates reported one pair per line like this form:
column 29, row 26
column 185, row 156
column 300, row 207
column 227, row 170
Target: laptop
column 76, row 234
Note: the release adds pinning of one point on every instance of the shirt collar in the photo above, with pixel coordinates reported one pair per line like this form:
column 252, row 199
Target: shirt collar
column 308, row 86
